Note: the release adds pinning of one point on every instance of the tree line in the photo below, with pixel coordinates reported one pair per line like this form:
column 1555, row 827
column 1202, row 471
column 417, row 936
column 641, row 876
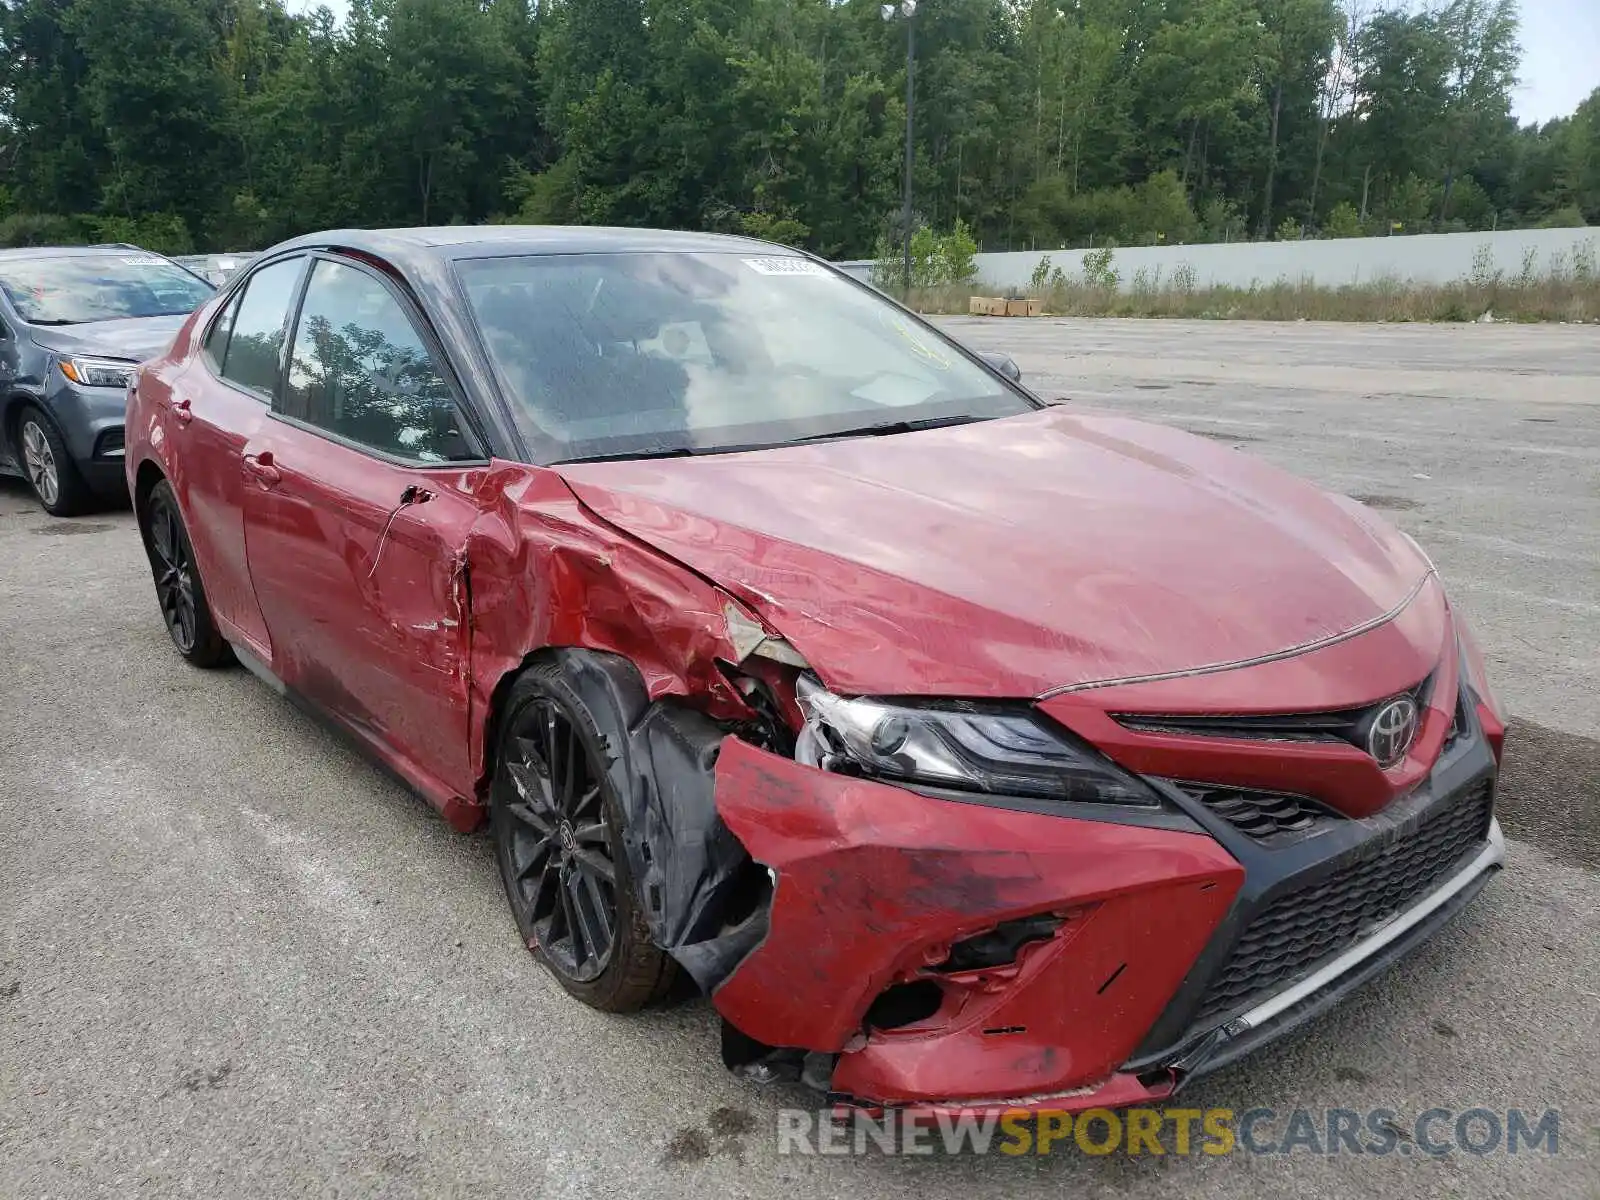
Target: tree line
column 231, row 124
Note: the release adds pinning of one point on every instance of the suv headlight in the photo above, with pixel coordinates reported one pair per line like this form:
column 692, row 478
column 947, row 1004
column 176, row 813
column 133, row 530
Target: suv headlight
column 98, row 372
column 967, row 747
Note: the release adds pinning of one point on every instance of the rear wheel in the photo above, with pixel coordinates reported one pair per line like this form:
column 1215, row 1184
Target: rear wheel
column 558, row 838
column 51, row 473
column 179, row 591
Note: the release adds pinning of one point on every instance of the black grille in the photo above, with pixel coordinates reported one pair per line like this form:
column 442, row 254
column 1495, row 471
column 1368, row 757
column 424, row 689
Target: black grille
column 1299, row 930
column 110, row 442
column 1345, row 725
column 1268, row 817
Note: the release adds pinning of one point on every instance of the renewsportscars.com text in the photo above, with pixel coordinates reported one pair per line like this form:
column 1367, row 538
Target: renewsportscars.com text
column 1435, row 1132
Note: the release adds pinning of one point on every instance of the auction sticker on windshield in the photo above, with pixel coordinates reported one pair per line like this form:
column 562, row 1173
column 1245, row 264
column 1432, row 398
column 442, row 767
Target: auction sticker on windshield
column 785, row 266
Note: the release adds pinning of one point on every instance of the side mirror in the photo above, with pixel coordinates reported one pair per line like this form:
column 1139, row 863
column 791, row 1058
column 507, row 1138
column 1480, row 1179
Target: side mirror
column 1005, row 364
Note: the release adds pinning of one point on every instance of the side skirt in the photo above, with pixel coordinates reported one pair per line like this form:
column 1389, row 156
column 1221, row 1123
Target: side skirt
column 464, row 814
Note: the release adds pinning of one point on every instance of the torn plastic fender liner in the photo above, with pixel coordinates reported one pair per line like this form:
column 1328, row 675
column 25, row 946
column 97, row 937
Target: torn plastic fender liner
column 874, row 884
column 690, row 873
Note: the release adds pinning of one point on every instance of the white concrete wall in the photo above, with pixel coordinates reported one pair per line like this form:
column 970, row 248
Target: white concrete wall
column 1428, row 258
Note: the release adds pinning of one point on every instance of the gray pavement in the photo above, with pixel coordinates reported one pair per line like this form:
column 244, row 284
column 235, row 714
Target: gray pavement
column 237, row 960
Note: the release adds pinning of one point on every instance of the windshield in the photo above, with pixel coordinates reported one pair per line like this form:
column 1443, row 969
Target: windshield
column 73, row 290
column 626, row 355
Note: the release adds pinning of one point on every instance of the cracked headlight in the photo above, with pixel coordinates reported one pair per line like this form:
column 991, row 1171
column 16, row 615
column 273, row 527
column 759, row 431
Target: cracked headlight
column 98, row 372
column 968, row 748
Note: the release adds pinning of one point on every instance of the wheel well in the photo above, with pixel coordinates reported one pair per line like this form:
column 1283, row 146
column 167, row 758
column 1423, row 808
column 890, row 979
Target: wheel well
column 497, row 708
column 145, row 483
column 11, row 417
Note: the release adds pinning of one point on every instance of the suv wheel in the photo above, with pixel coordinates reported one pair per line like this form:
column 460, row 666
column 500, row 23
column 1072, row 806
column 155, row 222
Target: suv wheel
column 50, row 469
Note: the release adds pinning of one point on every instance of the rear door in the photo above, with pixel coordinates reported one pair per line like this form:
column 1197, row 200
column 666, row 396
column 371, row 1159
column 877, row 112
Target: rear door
column 211, row 408
column 357, row 520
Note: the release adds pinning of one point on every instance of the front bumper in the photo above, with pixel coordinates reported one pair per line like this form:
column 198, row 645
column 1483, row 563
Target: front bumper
column 1379, row 950
column 1153, row 975
column 91, row 421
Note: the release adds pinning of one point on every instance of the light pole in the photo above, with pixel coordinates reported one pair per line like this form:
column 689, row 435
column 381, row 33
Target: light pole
column 908, row 10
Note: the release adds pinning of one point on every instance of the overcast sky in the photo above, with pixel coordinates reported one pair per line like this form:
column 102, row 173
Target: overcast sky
column 1560, row 62
column 1560, row 59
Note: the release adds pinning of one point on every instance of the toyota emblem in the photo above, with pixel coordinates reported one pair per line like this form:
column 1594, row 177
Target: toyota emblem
column 1393, row 729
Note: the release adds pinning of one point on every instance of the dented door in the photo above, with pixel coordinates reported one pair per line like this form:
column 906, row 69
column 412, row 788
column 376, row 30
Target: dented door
column 369, row 625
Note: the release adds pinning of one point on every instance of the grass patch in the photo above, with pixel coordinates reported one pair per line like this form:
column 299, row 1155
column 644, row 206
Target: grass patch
column 1571, row 301
column 1568, row 289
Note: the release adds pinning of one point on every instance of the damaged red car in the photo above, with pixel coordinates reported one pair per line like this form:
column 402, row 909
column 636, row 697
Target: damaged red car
column 965, row 750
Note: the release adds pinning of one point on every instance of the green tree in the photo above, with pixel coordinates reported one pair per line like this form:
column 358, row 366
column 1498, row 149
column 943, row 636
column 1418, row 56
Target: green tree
column 152, row 90
column 235, row 123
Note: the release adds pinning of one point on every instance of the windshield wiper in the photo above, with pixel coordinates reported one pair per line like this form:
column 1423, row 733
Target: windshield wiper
column 890, row 427
column 623, row 456
column 879, row 430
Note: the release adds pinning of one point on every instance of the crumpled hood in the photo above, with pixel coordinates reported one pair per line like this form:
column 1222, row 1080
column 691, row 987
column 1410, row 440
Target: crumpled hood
column 1013, row 557
column 135, row 339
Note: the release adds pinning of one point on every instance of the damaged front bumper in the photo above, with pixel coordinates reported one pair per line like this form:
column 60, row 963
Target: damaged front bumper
column 950, row 955
column 942, row 948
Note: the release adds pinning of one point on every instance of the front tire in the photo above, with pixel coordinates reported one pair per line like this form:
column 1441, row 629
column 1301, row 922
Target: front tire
column 51, row 473
column 557, row 830
column 184, row 607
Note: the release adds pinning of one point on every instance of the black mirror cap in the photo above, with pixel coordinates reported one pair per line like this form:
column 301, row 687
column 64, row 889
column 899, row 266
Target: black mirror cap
column 1006, row 365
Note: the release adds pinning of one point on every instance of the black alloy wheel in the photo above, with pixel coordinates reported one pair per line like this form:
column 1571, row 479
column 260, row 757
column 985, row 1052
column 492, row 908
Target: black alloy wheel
column 174, row 570
column 561, row 854
column 558, row 839
column 181, row 595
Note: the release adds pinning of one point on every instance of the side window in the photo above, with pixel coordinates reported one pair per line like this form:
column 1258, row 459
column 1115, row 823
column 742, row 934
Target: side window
column 216, row 347
column 260, row 325
column 359, row 370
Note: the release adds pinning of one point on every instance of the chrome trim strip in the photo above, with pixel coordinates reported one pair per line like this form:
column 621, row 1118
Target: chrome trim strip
column 1237, row 664
column 1491, row 856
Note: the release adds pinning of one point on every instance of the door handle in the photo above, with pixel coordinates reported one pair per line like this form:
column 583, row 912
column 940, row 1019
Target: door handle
column 180, row 409
column 261, row 467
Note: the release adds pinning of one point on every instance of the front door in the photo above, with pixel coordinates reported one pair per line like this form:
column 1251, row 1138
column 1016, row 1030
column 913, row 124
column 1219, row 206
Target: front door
column 357, row 514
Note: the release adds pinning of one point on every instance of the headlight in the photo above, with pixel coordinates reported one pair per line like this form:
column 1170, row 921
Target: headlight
column 98, row 372
column 970, row 748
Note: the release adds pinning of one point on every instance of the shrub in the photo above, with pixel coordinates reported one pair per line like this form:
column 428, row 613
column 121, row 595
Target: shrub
column 1221, row 221
column 958, row 255
column 1570, row 217
column 1040, row 279
column 40, row 229
column 1485, row 273
column 773, row 227
column 937, row 260
column 1343, row 222
column 165, row 233
column 1583, row 262
column 1098, row 271
column 1156, row 211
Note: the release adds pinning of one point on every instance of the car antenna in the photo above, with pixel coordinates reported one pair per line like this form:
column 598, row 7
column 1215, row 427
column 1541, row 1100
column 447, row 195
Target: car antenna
column 412, row 495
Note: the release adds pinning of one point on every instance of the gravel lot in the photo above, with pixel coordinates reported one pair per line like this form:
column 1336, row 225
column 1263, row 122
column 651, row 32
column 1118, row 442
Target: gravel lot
column 235, row 959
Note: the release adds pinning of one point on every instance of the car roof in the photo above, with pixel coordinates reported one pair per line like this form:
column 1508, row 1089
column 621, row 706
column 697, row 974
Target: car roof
column 496, row 241
column 20, row 253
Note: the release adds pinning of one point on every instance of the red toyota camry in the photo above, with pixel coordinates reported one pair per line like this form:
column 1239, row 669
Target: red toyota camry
column 965, row 750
